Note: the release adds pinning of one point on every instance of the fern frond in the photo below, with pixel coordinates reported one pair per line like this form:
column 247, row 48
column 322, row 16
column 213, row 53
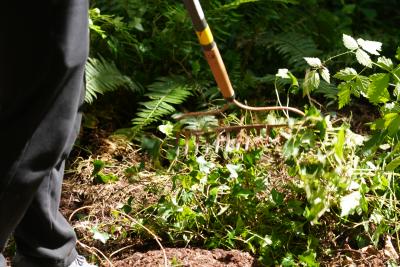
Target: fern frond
column 103, row 76
column 164, row 93
column 293, row 47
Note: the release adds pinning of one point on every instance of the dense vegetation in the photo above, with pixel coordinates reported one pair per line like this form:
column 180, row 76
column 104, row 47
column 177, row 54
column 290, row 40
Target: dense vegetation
column 337, row 60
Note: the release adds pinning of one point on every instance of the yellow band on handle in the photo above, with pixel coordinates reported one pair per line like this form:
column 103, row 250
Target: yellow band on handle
column 205, row 36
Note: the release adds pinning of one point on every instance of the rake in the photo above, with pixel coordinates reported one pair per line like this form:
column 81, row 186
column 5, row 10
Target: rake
column 221, row 77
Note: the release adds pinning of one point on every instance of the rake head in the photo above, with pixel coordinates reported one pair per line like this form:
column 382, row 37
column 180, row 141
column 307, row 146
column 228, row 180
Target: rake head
column 206, row 134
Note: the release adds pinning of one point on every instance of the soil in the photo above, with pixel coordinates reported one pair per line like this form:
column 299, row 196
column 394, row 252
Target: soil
column 88, row 205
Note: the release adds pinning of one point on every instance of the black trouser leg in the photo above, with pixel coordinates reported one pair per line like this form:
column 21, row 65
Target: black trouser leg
column 42, row 57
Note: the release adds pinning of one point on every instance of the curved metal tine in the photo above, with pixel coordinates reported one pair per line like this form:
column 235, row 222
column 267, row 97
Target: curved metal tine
column 218, row 141
column 237, row 146
column 267, row 129
column 228, row 142
column 207, row 146
column 177, row 138
column 187, row 137
column 247, row 144
column 196, row 151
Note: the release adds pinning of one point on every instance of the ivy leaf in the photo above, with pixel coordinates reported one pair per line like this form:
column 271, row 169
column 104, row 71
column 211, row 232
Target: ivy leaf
column 233, row 170
column 311, row 82
column 396, row 91
column 377, row 90
column 324, row 72
column 313, row 62
column 98, row 235
column 340, row 143
column 385, row 63
column 204, row 166
column 166, row 129
column 349, row 203
column 344, row 94
column 346, row 74
column 371, row 47
column 349, row 42
column 363, row 58
column 393, row 164
column 392, row 122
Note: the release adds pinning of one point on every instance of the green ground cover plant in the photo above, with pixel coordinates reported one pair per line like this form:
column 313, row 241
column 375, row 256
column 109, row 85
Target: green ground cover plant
column 341, row 183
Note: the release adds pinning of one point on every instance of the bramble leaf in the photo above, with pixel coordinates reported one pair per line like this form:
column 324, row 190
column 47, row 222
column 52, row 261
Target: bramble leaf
column 346, row 74
column 385, row 63
column 313, row 62
column 361, row 85
column 324, row 72
column 377, row 89
column 371, row 47
column 363, row 58
column 349, row 42
column 344, row 94
column 311, row 81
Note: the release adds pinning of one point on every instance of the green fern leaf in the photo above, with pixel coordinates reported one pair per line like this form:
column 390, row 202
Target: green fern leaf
column 163, row 94
column 103, row 76
column 293, row 47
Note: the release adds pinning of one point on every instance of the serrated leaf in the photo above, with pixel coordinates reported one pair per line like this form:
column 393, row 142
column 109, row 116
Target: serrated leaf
column 363, row 58
column 361, row 85
column 313, row 62
column 385, row 63
column 349, row 42
column 311, row 82
column 344, row 94
column 349, row 203
column 324, row 72
column 371, row 47
column 377, row 90
column 346, row 74
column 396, row 74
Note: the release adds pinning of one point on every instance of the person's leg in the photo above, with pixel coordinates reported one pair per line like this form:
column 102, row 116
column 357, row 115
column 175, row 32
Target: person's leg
column 42, row 57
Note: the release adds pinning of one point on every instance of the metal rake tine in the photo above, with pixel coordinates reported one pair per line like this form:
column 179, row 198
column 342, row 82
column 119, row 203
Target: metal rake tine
column 246, row 146
column 267, row 129
column 237, row 144
column 217, row 142
column 207, row 144
column 197, row 144
column 186, row 144
column 228, row 141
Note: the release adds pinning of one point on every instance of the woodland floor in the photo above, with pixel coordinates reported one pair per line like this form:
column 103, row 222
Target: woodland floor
column 86, row 204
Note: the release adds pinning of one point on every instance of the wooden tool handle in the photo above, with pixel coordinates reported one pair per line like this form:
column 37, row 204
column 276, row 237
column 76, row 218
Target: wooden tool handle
column 210, row 48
